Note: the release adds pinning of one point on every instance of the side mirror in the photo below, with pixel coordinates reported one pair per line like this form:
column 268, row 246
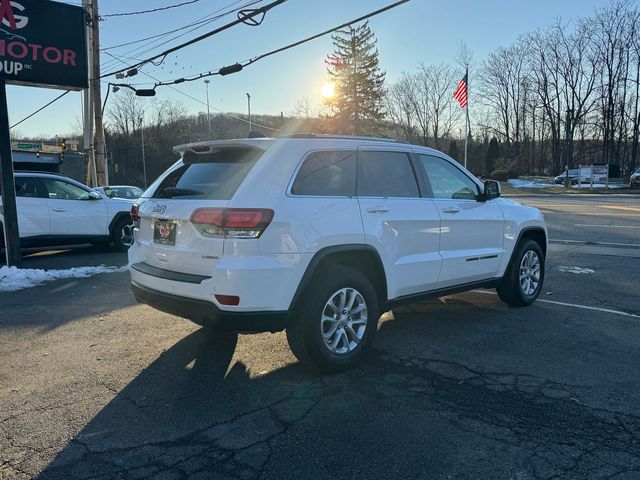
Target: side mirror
column 491, row 191
column 94, row 196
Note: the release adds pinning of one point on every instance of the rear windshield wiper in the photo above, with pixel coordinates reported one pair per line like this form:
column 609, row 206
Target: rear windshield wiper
column 172, row 192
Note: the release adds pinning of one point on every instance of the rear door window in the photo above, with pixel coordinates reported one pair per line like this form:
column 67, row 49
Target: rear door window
column 386, row 174
column 214, row 175
column 331, row 173
column 27, row 187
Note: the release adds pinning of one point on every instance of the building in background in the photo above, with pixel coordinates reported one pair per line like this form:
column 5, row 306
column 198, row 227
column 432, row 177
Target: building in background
column 41, row 157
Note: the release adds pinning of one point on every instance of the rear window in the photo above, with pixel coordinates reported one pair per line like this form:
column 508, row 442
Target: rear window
column 331, row 173
column 213, row 175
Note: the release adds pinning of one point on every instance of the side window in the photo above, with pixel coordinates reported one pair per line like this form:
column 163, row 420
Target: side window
column 61, row 190
column 447, row 181
column 26, row 187
column 386, row 174
column 327, row 174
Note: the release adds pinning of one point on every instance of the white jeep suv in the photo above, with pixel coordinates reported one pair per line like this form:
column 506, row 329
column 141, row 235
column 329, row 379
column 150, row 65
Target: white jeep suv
column 319, row 235
column 55, row 210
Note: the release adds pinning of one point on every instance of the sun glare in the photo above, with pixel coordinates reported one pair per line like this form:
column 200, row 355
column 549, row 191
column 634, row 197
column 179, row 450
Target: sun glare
column 328, row 90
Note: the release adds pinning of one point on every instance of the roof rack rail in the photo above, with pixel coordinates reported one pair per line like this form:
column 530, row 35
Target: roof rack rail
column 328, row 136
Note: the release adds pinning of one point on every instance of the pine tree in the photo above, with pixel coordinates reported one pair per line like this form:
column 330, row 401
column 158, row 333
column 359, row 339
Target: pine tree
column 359, row 81
column 453, row 150
column 493, row 153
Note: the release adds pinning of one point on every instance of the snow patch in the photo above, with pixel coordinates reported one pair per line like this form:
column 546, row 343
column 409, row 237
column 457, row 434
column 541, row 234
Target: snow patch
column 578, row 270
column 13, row 278
column 518, row 183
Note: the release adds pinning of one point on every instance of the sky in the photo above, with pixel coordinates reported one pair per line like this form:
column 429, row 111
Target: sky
column 426, row 31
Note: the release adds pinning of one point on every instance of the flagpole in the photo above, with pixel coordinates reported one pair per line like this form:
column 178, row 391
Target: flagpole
column 466, row 137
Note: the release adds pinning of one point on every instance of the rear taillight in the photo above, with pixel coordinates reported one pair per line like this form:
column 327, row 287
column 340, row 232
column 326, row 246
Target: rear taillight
column 135, row 213
column 232, row 222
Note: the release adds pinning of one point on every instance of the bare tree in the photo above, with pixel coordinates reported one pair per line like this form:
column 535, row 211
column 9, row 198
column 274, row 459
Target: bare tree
column 125, row 112
column 421, row 104
column 400, row 102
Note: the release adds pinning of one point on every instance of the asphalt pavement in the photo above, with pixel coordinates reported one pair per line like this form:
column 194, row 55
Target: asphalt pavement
column 93, row 385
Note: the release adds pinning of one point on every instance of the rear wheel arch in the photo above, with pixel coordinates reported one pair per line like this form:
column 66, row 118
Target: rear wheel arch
column 364, row 258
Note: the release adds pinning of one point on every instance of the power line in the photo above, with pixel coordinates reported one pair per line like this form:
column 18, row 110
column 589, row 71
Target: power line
column 40, row 109
column 159, row 9
column 200, row 22
column 244, row 16
column 240, row 65
column 235, row 67
column 198, row 100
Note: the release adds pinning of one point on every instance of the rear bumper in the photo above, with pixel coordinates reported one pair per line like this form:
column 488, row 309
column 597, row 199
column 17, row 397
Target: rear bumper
column 207, row 314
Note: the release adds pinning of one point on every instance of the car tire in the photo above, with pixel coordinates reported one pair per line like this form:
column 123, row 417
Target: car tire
column 522, row 282
column 329, row 336
column 118, row 236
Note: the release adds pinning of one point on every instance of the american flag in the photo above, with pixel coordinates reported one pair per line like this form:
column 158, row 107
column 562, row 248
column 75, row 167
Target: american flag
column 461, row 92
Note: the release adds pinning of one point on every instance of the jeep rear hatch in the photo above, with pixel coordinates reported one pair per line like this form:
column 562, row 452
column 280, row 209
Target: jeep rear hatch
column 207, row 179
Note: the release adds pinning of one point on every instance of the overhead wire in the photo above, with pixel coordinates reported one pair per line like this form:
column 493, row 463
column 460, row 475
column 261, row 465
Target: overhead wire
column 153, row 10
column 240, row 65
column 243, row 17
column 200, row 101
column 40, row 109
column 159, row 40
column 208, row 18
column 154, row 44
column 198, row 22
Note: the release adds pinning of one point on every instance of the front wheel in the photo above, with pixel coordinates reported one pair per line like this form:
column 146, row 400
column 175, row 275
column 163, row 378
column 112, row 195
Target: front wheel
column 522, row 282
column 122, row 236
column 336, row 322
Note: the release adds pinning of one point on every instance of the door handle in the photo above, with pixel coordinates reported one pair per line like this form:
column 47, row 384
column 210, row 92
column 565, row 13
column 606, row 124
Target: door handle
column 451, row 210
column 58, row 209
column 377, row 209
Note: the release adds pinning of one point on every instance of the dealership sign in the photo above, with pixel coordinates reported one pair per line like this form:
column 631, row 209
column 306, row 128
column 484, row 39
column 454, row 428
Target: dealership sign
column 42, row 43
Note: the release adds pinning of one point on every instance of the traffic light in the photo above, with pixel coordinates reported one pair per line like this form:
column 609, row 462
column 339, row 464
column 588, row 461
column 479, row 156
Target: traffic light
column 63, row 145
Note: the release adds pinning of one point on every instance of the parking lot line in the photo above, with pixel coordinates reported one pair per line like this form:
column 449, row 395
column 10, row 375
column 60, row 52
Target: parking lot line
column 588, row 242
column 549, row 212
column 573, row 305
column 620, row 207
column 605, row 226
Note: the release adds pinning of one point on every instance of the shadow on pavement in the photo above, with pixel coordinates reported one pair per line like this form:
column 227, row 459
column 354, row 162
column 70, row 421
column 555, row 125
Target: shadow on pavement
column 193, row 413
column 69, row 256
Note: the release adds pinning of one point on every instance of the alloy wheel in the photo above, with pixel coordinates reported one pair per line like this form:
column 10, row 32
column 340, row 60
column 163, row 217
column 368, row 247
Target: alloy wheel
column 530, row 273
column 344, row 321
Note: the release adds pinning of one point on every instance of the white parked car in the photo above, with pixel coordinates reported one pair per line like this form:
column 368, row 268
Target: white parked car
column 319, row 235
column 56, row 210
column 127, row 192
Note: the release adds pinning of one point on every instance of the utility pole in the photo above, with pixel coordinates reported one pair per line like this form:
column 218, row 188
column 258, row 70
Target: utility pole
column 249, row 107
column 87, row 124
column 96, row 98
column 567, row 153
column 144, row 160
column 206, row 82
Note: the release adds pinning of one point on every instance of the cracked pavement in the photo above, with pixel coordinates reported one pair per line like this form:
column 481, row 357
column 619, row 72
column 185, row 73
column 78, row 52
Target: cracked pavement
column 93, row 385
